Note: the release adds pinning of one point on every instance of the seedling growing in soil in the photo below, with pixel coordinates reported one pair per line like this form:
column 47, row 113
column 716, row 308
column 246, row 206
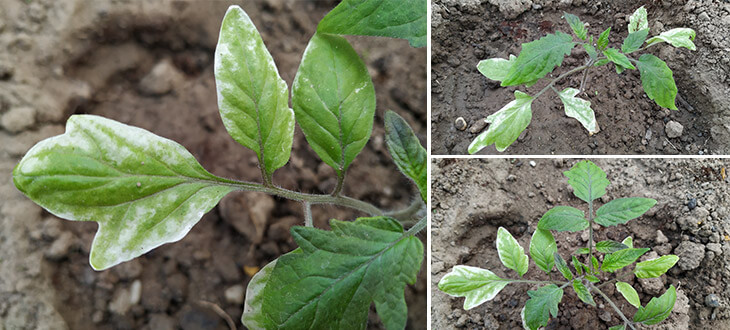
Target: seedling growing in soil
column 145, row 190
column 589, row 183
column 540, row 57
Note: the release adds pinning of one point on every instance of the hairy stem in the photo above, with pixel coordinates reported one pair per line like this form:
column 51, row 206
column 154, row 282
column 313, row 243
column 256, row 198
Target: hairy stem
column 560, row 77
column 308, row 214
column 590, row 234
column 340, row 184
column 420, row 225
column 585, row 75
column 407, row 213
column 610, row 302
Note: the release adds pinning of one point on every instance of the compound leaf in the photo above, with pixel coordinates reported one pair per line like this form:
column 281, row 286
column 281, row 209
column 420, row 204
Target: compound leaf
column 142, row 189
column 658, row 309
column 543, row 302
column 620, row 259
column 602, row 42
column 252, row 98
column 506, row 124
column 538, row 58
column 583, row 292
column 679, row 37
column 334, row 276
column 496, row 68
column 562, row 266
column 629, row 293
column 634, row 41
column 622, row 210
column 407, row 152
column 334, row 100
column 588, row 180
column 619, row 59
column 405, row 19
column 563, row 218
column 579, row 109
column 655, row 267
column 657, row 80
column 476, row 284
column 542, row 249
column 609, row 246
column 511, row 253
column 578, row 27
column 638, row 20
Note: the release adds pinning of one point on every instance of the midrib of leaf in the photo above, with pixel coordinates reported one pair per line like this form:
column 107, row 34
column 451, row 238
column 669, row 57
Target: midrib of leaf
column 339, row 114
column 339, row 279
column 649, row 68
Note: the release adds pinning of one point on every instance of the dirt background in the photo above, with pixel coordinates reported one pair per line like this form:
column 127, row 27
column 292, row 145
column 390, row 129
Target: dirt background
column 467, row 31
column 97, row 57
column 471, row 199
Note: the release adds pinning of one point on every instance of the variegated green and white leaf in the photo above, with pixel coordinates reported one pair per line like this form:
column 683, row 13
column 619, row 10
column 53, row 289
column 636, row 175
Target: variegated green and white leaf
column 542, row 248
column 496, row 68
column 629, row 293
column 679, row 37
column 655, row 267
column 511, row 253
column 142, row 189
column 579, row 109
column 638, row 20
column 476, row 284
column 506, row 124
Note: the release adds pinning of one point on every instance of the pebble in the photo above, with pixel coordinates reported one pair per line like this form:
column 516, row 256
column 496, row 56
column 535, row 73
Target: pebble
column 690, row 255
column 460, row 123
column 532, row 163
column 18, row 119
column 692, row 203
column 673, row 129
column 647, row 136
column 478, row 126
column 121, row 302
column 660, row 237
column 712, row 300
column 135, row 292
column 234, row 295
column 161, row 80
column 60, row 247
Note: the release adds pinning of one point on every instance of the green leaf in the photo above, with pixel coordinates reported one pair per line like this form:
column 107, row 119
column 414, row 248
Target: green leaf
column 252, row 317
column 638, row 20
column 602, row 62
column 406, row 151
column 583, row 292
column 582, row 251
column 620, row 259
column 634, row 41
column 619, row 59
column 563, row 218
column 252, row 98
column 538, row 58
column 506, row 124
column 594, row 262
column 562, row 266
column 592, row 53
column 542, row 249
column 655, row 267
column 405, row 19
column 679, row 37
column 142, row 189
column 609, row 246
column 629, row 293
column 496, row 68
column 602, row 42
column 333, row 278
column 623, row 210
column 657, row 80
column 628, row 241
column 542, row 303
column 578, row 265
column 592, row 278
column 618, row 327
column 476, row 284
column 511, row 253
column 579, row 109
column 334, row 100
column 658, row 309
column 588, row 180
column 578, row 28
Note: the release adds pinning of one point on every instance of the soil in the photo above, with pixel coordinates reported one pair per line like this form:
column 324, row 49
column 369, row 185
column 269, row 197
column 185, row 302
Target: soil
column 465, row 32
column 472, row 198
column 98, row 57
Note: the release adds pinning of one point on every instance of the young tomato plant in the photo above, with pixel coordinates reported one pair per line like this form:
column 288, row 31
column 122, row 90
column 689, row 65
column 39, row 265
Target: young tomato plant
column 589, row 183
column 144, row 190
column 540, row 57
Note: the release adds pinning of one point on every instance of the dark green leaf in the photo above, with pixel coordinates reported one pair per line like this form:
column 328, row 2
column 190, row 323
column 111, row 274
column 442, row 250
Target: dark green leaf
column 655, row 267
column 506, row 124
column 406, row 151
column 602, row 42
column 578, row 265
column 476, row 284
column 538, row 58
column 142, row 189
column 331, row 281
column 634, row 41
column 405, row 19
column 594, row 262
column 615, row 261
column 657, row 80
column 619, row 59
column 622, row 210
column 610, row 246
column 583, row 292
column 542, row 303
column 562, row 266
column 578, row 28
column 542, row 249
column 582, row 251
column 592, row 278
column 588, row 180
column 592, row 53
column 334, row 100
column 252, row 98
column 511, row 253
column 563, row 218
column 658, row 309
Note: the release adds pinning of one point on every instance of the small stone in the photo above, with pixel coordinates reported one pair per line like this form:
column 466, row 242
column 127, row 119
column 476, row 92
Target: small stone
column 162, row 79
column 478, row 126
column 712, row 300
column 605, row 316
column 60, row 247
column 234, row 295
column 660, row 237
column 121, row 302
column 690, row 255
column 715, row 247
column 532, row 163
column 18, row 119
column 692, row 203
column 460, row 123
column 647, row 136
column 673, row 129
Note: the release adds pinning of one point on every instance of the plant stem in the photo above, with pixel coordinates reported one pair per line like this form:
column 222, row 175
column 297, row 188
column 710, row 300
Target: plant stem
column 340, row 184
column 308, row 214
column 610, row 302
column 420, row 225
column 585, row 75
column 578, row 69
column 538, row 282
column 407, row 213
column 590, row 234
